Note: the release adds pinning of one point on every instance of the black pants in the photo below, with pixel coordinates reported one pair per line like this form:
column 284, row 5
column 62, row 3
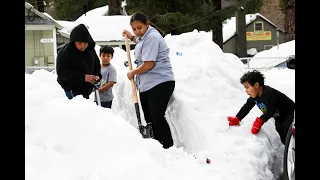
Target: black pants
column 154, row 103
column 282, row 127
column 105, row 104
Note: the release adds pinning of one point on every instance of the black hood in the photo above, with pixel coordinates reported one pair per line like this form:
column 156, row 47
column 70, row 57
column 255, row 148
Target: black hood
column 81, row 34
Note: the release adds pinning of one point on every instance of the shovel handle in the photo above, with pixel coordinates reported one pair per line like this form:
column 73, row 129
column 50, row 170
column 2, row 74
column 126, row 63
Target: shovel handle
column 134, row 91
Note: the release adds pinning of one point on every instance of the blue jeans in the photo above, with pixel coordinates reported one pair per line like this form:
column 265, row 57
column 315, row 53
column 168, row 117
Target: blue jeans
column 71, row 94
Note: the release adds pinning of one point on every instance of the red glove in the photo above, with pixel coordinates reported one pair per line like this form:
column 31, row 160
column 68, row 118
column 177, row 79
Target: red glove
column 257, row 125
column 233, row 121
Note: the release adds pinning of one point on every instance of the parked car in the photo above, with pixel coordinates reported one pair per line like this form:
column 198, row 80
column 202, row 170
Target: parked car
column 289, row 150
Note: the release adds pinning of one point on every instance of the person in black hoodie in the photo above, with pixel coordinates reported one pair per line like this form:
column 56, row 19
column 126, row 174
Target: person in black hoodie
column 78, row 66
column 270, row 101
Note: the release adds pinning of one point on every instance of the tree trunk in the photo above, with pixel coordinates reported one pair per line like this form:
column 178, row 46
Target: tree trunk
column 114, row 7
column 289, row 25
column 217, row 27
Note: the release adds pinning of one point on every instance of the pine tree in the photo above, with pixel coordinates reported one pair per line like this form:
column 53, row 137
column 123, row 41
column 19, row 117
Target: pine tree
column 170, row 15
column 179, row 16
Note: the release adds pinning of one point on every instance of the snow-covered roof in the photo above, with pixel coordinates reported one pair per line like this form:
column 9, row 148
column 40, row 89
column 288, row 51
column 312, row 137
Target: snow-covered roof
column 66, row 24
column 103, row 11
column 43, row 15
column 102, row 28
column 100, row 11
column 229, row 25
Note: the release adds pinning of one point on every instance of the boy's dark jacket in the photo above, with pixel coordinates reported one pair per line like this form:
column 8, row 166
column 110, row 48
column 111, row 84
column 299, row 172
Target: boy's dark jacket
column 272, row 103
column 73, row 64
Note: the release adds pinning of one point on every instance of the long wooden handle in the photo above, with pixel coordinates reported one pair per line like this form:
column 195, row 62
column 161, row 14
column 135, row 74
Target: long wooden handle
column 134, row 91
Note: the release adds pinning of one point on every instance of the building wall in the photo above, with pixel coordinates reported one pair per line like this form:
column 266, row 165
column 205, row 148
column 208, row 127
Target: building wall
column 260, row 45
column 61, row 41
column 44, row 52
column 230, row 46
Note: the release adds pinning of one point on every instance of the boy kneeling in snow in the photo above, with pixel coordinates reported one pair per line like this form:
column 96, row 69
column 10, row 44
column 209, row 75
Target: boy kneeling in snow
column 270, row 101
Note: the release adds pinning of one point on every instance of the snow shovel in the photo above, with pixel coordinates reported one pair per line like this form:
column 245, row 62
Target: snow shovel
column 146, row 131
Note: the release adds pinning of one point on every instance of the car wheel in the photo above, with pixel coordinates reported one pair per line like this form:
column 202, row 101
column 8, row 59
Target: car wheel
column 289, row 156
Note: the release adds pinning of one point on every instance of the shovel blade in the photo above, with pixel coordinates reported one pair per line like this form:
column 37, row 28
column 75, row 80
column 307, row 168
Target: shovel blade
column 146, row 131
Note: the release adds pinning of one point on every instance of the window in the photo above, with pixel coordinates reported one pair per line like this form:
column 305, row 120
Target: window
column 258, row 26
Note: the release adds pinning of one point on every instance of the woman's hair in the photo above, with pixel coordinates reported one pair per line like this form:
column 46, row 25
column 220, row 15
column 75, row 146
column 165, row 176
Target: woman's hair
column 141, row 17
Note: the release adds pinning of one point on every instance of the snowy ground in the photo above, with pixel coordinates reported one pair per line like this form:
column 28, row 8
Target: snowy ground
column 78, row 140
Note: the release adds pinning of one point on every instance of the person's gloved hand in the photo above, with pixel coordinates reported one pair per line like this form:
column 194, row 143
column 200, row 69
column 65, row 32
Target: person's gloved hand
column 257, row 125
column 233, row 121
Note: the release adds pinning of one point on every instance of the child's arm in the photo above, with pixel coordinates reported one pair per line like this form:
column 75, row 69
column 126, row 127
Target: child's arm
column 269, row 99
column 106, row 86
column 245, row 109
